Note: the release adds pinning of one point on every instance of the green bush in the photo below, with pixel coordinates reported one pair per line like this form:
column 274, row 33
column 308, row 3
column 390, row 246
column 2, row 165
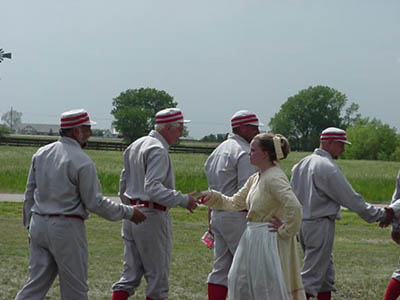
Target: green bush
column 372, row 140
column 4, row 130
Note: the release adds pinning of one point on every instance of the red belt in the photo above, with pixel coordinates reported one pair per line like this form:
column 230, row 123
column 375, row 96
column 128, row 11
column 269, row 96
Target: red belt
column 67, row 216
column 147, row 204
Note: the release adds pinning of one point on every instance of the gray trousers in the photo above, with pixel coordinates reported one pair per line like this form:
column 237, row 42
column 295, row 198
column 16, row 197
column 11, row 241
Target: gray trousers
column 147, row 253
column 58, row 246
column 316, row 238
column 227, row 227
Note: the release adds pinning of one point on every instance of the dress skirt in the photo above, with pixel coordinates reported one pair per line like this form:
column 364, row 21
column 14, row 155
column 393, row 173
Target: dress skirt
column 256, row 272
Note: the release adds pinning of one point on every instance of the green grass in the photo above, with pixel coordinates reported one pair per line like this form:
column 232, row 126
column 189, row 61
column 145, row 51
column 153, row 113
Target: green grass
column 364, row 256
column 375, row 180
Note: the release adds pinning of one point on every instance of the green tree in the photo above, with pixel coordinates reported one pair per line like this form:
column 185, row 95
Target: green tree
column 12, row 119
column 4, row 130
column 303, row 116
column 372, row 140
column 98, row 132
column 134, row 111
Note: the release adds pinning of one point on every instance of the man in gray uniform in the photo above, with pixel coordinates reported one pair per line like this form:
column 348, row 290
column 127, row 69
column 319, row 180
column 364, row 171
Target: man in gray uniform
column 393, row 289
column 62, row 188
column 227, row 170
column 148, row 179
column 322, row 189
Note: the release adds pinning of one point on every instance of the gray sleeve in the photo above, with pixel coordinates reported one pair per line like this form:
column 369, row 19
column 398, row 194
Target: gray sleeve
column 93, row 199
column 339, row 190
column 244, row 169
column 122, row 188
column 395, row 204
column 158, row 164
column 29, row 199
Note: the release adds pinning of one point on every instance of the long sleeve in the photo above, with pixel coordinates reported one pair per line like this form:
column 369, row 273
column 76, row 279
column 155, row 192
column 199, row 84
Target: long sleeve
column 158, row 168
column 94, row 200
column 235, row 203
column 280, row 189
column 340, row 191
column 29, row 198
column 395, row 204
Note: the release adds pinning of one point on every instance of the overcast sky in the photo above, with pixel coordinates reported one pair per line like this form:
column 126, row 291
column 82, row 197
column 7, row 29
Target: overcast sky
column 214, row 57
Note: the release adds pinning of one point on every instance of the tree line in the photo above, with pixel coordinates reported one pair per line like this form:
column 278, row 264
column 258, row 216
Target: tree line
column 301, row 119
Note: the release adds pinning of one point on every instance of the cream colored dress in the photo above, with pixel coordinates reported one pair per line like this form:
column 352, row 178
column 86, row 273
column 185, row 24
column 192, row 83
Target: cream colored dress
column 267, row 195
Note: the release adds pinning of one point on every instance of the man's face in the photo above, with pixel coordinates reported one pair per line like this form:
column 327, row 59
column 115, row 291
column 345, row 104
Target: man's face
column 82, row 134
column 248, row 132
column 174, row 132
column 336, row 149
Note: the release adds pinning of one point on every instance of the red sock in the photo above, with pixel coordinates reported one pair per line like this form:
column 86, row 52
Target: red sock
column 308, row 296
column 148, row 298
column 393, row 290
column 120, row 295
column 217, row 292
column 324, row 296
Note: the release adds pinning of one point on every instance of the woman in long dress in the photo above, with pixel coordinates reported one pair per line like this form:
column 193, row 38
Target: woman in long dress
column 266, row 265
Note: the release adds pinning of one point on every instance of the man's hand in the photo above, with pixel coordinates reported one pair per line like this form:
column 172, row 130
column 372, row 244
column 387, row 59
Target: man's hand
column 138, row 216
column 396, row 237
column 192, row 204
column 389, row 216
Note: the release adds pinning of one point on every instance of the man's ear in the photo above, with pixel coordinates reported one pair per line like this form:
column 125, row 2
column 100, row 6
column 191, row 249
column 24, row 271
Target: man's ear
column 75, row 132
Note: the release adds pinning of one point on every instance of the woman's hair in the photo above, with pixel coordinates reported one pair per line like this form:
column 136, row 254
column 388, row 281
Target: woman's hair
column 276, row 145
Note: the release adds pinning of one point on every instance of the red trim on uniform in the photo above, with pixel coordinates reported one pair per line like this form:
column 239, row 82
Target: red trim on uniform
column 244, row 120
column 66, row 119
column 147, row 204
column 120, row 295
column 69, row 124
column 67, row 216
column 216, row 291
column 169, row 120
column 331, row 138
column 393, row 290
column 324, row 296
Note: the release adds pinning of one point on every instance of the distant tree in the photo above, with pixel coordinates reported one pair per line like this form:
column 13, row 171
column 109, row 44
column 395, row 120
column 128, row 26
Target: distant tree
column 303, row 116
column 220, row 137
column 372, row 140
column 51, row 132
column 134, row 111
column 98, row 132
column 4, row 130
column 12, row 119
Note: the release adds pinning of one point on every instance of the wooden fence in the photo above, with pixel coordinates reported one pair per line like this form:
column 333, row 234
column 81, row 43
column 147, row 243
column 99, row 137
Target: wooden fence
column 95, row 145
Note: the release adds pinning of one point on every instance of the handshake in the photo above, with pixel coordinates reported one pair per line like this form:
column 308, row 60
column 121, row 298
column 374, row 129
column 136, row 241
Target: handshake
column 388, row 218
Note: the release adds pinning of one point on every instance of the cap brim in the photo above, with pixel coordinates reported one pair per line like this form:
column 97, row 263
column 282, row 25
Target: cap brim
column 90, row 123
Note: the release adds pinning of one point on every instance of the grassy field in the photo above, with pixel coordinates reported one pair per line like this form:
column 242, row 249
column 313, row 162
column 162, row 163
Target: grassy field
column 375, row 180
column 364, row 257
column 364, row 254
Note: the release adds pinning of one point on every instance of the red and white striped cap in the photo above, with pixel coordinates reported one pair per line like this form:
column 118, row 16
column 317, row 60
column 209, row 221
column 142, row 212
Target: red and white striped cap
column 245, row 117
column 333, row 134
column 74, row 118
column 170, row 115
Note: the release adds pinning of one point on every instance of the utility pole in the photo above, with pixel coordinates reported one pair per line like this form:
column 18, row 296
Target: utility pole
column 11, row 121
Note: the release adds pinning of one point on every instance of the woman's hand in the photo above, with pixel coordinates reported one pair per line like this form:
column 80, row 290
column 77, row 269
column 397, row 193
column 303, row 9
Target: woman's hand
column 274, row 224
column 204, row 197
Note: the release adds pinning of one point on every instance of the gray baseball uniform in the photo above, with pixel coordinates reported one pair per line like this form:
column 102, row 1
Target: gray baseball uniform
column 322, row 189
column 62, row 189
column 148, row 177
column 227, row 170
column 395, row 204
